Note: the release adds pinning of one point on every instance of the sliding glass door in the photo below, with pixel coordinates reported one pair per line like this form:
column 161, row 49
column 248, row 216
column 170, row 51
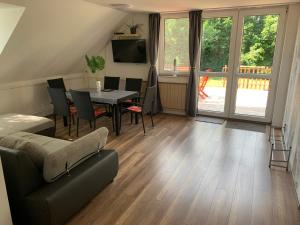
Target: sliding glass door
column 216, row 62
column 239, row 63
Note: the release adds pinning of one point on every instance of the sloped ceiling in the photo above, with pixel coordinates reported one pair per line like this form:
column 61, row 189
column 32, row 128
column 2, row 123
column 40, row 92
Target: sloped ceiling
column 53, row 36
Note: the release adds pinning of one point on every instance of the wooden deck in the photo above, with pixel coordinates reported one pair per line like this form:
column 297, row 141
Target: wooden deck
column 186, row 172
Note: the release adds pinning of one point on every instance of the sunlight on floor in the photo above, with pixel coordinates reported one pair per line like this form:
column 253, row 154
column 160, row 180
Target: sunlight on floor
column 249, row 101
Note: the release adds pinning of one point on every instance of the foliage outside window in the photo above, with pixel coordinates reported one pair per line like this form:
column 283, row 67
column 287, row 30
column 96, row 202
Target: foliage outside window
column 215, row 44
column 257, row 50
column 176, row 41
column 259, row 39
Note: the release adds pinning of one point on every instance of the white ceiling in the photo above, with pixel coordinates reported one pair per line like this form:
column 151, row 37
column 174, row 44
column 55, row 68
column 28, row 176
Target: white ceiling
column 183, row 5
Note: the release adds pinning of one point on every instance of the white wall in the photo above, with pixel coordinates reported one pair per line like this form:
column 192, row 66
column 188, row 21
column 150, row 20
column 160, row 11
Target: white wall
column 53, row 36
column 51, row 40
column 123, row 70
column 286, row 63
column 292, row 114
column 31, row 97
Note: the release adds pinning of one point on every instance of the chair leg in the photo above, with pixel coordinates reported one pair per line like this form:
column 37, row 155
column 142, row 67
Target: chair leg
column 151, row 119
column 120, row 119
column 70, row 122
column 77, row 126
column 113, row 121
column 54, row 115
column 143, row 123
column 73, row 119
column 90, row 124
column 94, row 124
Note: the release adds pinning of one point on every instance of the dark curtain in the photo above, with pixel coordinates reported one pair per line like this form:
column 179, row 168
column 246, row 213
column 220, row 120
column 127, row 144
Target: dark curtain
column 194, row 45
column 154, row 28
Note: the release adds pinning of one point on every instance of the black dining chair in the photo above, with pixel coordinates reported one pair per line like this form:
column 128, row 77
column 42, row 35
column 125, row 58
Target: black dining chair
column 111, row 82
column 57, row 83
column 85, row 108
column 146, row 107
column 133, row 84
column 61, row 106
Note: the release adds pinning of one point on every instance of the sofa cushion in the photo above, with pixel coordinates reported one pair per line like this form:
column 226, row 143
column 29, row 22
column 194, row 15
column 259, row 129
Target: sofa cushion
column 37, row 146
column 12, row 123
column 58, row 163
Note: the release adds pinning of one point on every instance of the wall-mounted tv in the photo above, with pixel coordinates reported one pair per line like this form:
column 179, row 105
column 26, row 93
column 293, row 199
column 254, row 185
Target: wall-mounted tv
column 129, row 51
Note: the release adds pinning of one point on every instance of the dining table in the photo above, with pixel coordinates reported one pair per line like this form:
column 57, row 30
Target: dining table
column 110, row 97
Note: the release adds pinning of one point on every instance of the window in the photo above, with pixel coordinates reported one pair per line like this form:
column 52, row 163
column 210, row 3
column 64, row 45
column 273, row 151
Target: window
column 215, row 44
column 174, row 56
column 9, row 18
column 258, row 44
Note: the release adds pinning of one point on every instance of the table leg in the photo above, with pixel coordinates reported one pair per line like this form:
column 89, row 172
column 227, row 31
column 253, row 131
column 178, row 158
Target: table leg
column 117, row 118
column 65, row 121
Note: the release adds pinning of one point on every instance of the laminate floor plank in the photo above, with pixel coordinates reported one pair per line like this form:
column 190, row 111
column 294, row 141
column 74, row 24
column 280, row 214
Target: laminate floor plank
column 185, row 172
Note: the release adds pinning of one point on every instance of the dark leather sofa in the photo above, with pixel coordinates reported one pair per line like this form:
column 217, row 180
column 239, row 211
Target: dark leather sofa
column 35, row 202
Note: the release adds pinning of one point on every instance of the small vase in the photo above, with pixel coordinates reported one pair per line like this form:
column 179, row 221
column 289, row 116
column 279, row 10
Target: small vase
column 98, row 85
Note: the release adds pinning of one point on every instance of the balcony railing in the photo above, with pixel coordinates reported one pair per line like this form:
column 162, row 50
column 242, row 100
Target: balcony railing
column 252, row 83
column 246, row 83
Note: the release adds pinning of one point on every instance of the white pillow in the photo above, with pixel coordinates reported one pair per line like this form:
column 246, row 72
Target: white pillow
column 59, row 162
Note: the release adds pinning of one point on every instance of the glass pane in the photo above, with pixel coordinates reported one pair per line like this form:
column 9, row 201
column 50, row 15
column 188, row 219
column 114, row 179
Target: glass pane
column 215, row 44
column 258, row 44
column 252, row 96
column 176, row 43
column 211, row 91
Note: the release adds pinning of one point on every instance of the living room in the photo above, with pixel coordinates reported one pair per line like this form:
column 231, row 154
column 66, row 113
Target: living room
column 144, row 112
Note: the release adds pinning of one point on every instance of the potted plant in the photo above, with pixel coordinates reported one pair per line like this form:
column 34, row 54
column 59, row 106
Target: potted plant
column 134, row 27
column 95, row 63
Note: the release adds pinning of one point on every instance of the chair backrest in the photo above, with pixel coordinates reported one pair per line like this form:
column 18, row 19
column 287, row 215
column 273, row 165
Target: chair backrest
column 83, row 104
column 111, row 82
column 133, row 84
column 57, row 83
column 149, row 99
column 59, row 101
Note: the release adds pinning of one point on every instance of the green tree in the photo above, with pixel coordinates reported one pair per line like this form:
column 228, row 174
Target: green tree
column 215, row 43
column 258, row 44
column 259, row 38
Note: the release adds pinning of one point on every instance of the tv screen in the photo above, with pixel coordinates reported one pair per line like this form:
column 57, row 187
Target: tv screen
column 129, row 51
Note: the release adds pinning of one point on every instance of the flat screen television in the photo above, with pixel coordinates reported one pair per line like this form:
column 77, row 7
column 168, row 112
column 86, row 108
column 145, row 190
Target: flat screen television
column 129, row 51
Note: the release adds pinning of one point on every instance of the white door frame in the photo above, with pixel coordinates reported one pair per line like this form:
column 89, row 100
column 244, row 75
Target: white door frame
column 281, row 11
column 228, row 75
column 234, row 60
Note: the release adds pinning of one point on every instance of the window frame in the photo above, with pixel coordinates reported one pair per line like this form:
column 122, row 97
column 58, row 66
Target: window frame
column 161, row 52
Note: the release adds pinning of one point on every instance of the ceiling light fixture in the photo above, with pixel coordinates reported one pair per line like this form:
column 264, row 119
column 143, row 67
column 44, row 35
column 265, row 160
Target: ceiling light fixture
column 119, row 6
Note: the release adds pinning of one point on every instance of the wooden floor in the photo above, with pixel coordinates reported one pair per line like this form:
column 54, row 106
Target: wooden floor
column 187, row 172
